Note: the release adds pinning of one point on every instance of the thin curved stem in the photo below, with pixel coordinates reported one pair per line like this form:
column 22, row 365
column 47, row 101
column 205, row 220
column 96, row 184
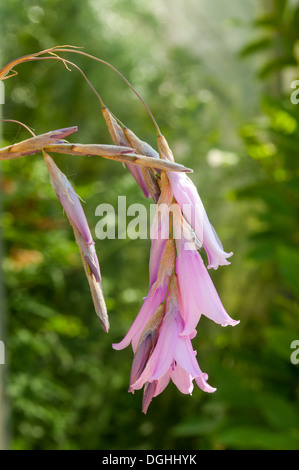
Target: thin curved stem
column 77, row 67
column 26, row 58
column 120, row 74
column 36, row 56
column 21, row 124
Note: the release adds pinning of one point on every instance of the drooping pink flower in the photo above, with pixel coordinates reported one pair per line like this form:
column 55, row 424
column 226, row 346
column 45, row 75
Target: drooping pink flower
column 194, row 212
column 182, row 379
column 198, row 293
column 163, row 354
column 146, row 344
column 181, row 290
column 154, row 298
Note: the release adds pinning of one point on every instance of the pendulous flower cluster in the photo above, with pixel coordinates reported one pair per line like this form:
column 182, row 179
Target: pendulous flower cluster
column 180, row 288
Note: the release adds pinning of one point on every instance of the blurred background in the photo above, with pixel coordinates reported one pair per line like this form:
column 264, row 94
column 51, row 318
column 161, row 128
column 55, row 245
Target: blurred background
column 217, row 77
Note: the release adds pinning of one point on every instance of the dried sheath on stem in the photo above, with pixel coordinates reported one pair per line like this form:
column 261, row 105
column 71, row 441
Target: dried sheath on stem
column 120, row 154
column 74, row 211
column 35, row 144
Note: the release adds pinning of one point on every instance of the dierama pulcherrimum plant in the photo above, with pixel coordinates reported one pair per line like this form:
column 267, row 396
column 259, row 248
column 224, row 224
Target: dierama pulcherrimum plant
column 180, row 287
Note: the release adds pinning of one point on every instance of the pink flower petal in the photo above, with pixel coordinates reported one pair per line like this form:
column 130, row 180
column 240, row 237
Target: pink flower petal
column 193, row 209
column 203, row 385
column 141, row 357
column 159, row 236
column 182, row 380
column 198, row 293
column 152, row 389
column 161, row 384
column 163, row 354
column 150, row 305
column 148, row 393
column 185, row 357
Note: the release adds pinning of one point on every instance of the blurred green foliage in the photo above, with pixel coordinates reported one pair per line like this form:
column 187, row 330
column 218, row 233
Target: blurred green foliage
column 67, row 386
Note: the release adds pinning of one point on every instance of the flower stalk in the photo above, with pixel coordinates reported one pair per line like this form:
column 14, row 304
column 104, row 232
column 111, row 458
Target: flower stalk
column 181, row 290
